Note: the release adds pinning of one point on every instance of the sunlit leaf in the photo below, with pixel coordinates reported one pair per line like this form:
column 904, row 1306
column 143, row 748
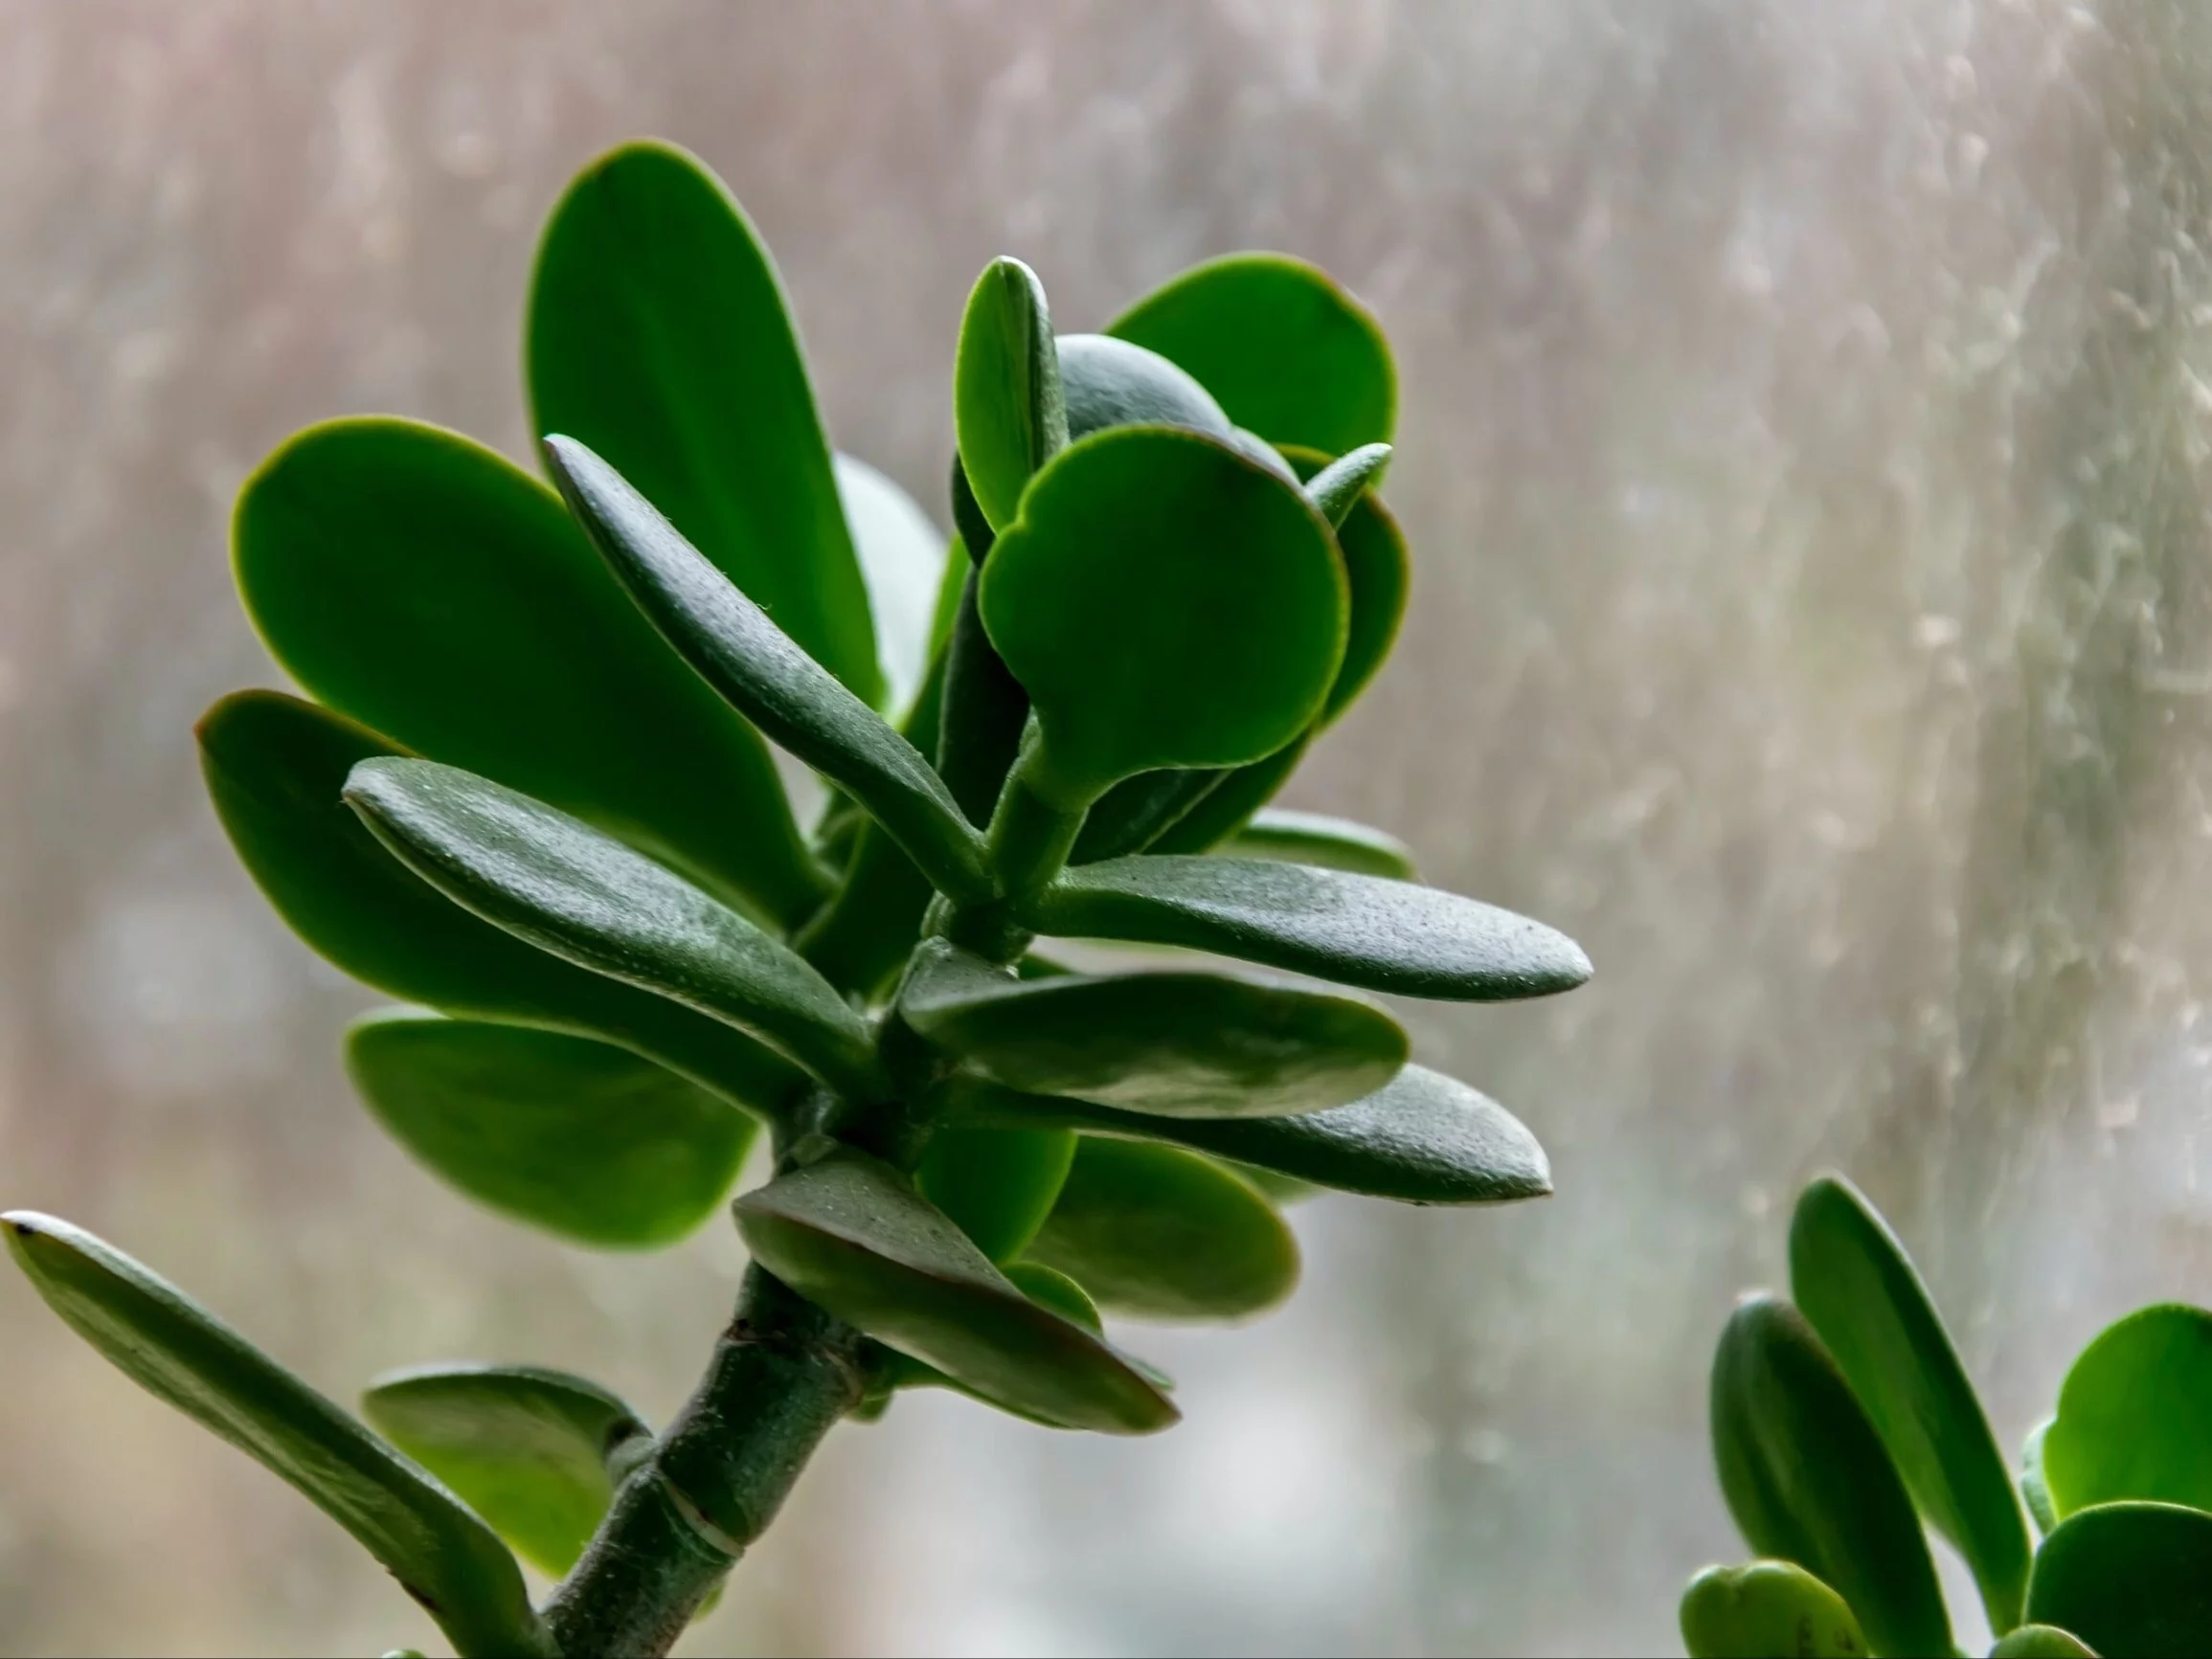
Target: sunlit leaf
column 2135, row 1414
column 1766, row 1608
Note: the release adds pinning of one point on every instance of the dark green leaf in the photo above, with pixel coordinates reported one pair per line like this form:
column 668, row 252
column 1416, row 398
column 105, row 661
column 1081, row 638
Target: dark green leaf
column 984, row 711
column 2033, row 1488
column 2128, row 1578
column 275, row 768
column 1337, row 487
column 425, row 586
column 852, row 1235
column 1364, row 931
column 1110, row 383
column 997, row 1184
column 658, row 335
column 2042, row 1642
column 1164, row 602
column 1807, row 1480
column 527, row 1450
column 1161, row 1234
column 1175, row 1045
column 442, row 1555
column 1859, row 1289
column 763, row 673
column 1228, row 800
column 1766, row 1608
column 1008, row 406
column 1288, row 352
column 1422, row 1138
column 561, row 885
column 1336, row 843
column 2135, row 1415
column 903, row 560
column 575, row 1136
column 1140, row 811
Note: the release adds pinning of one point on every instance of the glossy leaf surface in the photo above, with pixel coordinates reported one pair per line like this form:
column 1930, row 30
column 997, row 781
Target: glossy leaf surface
column 430, row 589
column 1008, row 407
column 998, row 1185
column 275, row 768
column 1766, row 1608
column 1850, row 1276
column 1382, row 935
column 1807, row 1480
column 903, row 561
column 659, row 336
column 852, row 1235
column 442, row 1555
column 1109, row 382
column 1312, row 838
column 579, row 1137
column 2129, row 1579
column 1287, row 351
column 527, row 1449
column 2135, row 1414
column 1164, row 602
column 1161, row 1234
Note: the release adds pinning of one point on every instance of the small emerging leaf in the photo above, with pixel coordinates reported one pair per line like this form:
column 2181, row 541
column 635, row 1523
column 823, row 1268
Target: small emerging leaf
column 1764, row 1609
column 1008, row 406
column 1336, row 843
column 2130, row 1579
column 1339, row 485
column 998, row 1185
column 2034, row 1490
column 2135, row 1414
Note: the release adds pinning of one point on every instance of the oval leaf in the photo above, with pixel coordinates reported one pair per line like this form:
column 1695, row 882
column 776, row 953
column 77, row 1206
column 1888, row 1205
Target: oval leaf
column 442, row 1555
column 1007, row 407
column 586, row 898
column 425, row 586
column 903, row 560
column 527, row 1449
column 2042, row 1642
column 2135, row 1414
column 575, row 1136
column 275, row 768
column 854, row 1236
column 1285, row 347
column 1807, row 1480
column 2128, row 1578
column 1109, row 382
column 658, row 335
column 1382, row 935
column 1335, row 843
column 1164, row 602
column 1858, row 1288
column 1766, row 1608
column 998, row 1185
column 1161, row 1234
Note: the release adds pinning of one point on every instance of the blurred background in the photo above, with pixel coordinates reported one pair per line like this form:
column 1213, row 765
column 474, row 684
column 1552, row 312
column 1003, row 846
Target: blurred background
column 1804, row 451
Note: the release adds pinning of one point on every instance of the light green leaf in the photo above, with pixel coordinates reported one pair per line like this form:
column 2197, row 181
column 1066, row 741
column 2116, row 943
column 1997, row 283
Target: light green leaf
column 903, row 560
column 2135, row 1415
column 1337, row 487
column 1008, row 406
column 1311, row 838
column 998, row 1185
column 442, row 1555
column 2128, row 1578
column 1050, row 1288
column 2034, row 1490
column 1766, row 1608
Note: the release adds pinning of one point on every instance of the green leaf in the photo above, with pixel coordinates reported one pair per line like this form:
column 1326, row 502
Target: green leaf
column 1382, row 935
column 1336, row 487
column 428, row 587
column 1008, row 406
column 1422, row 1138
column 998, row 1185
column 1140, row 811
column 1858, row 1288
column 1229, row 801
column 658, row 335
column 854, row 1236
column 1161, row 1234
column 442, row 1555
column 584, row 897
column 763, row 673
column 1050, row 1288
column 2135, row 1414
column 1288, row 352
column 2128, row 1578
column 1336, row 843
column 1164, row 602
column 2042, row 1642
column 575, row 1136
column 1807, row 1480
column 1174, row 1045
column 903, row 560
column 275, row 769
column 1380, row 573
column 2034, row 1490
column 1766, row 1608
column 527, row 1449
column 1111, row 383
column 985, row 711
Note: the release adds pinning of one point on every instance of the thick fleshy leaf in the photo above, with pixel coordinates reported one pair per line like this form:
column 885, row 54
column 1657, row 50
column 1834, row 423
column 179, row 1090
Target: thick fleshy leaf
column 1008, row 407
column 763, row 673
column 1050, row 1288
column 903, row 560
column 1380, row 573
column 1766, row 1608
column 2034, row 1490
column 586, row 898
column 852, row 1235
column 1166, row 603
column 275, row 768
column 2042, row 1642
column 1169, row 1043
column 2135, row 1414
column 1109, row 382
column 2128, row 1578
column 1137, row 812
column 579, row 1137
column 1853, row 1281
column 1336, row 487
column 1807, row 1480
column 1227, row 803
column 658, row 335
column 998, row 1185
column 1312, row 838
column 428, row 587
column 1161, row 1234
column 527, row 1449
column 1287, row 351
column 1382, row 935
column 442, row 1555
column 1422, row 1138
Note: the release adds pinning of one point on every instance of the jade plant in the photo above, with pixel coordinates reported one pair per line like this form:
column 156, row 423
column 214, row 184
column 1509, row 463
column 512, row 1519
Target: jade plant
column 1844, row 1426
column 533, row 795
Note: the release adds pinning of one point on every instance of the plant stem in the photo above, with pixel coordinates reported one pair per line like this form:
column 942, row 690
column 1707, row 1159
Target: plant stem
column 782, row 1376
